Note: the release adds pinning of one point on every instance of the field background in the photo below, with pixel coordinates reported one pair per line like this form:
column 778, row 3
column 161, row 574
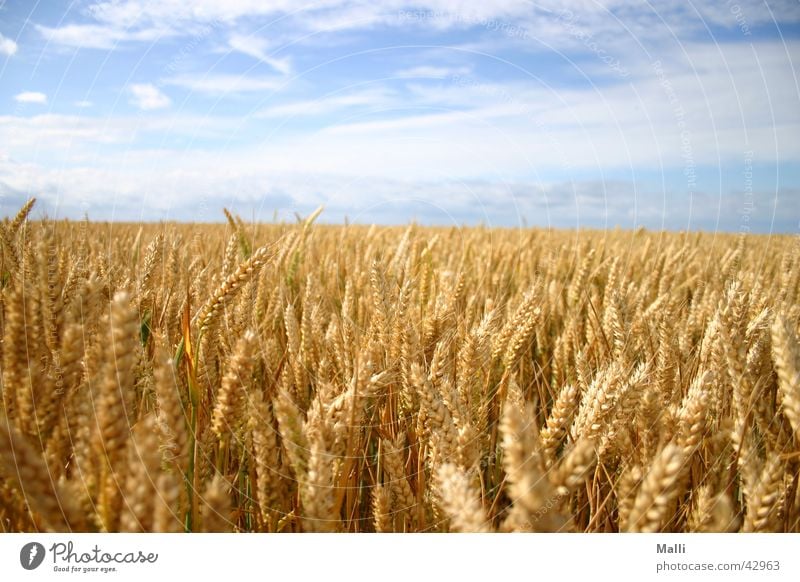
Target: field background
column 309, row 377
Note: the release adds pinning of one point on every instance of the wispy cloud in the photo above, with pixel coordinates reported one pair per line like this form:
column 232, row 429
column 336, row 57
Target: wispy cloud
column 220, row 84
column 436, row 72
column 77, row 138
column 31, row 97
column 135, row 13
column 146, row 97
column 7, row 46
column 115, row 21
column 258, row 48
column 364, row 100
column 100, row 36
column 60, row 132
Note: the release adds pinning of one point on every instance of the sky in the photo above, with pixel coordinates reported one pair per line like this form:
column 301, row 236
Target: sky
column 678, row 115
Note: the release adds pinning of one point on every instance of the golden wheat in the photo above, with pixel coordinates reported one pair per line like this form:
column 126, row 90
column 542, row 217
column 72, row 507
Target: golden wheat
column 286, row 378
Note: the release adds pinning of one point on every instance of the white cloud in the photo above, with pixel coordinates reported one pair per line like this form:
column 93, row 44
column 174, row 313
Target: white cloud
column 132, row 13
column 257, row 48
column 31, row 97
column 433, row 71
column 101, row 36
column 219, row 84
column 510, row 21
column 118, row 21
column 146, row 96
column 131, row 20
column 166, row 185
column 78, row 138
column 7, row 46
column 83, row 104
column 81, row 35
column 364, row 100
column 414, row 123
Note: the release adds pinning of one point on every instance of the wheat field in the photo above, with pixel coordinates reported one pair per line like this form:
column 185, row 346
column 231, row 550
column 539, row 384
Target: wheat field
column 306, row 377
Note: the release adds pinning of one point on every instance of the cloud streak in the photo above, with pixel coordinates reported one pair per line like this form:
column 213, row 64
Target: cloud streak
column 258, row 49
column 222, row 84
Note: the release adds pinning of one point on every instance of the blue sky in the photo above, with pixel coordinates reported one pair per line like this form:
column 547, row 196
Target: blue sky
column 569, row 114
